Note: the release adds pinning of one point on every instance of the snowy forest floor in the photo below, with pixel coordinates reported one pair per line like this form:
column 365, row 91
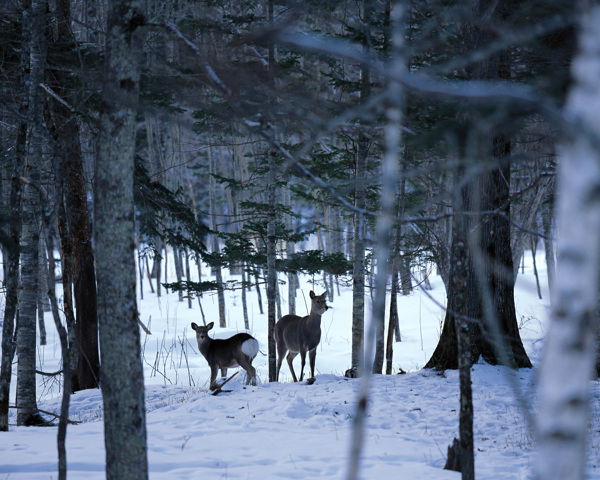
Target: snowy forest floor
column 297, row 431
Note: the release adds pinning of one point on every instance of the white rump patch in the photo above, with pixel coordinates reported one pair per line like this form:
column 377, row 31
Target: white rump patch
column 250, row 347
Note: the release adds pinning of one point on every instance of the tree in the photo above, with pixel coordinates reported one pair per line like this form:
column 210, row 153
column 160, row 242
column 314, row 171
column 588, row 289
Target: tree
column 27, row 413
column 13, row 232
column 76, row 236
column 122, row 378
column 490, row 273
column 386, row 233
column 569, row 358
column 360, row 194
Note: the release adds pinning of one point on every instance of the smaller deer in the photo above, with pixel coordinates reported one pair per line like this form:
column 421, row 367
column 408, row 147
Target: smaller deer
column 236, row 351
column 300, row 335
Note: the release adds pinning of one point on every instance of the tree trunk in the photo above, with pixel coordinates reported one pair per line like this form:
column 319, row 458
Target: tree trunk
column 43, row 302
column 385, row 221
column 258, row 292
column 271, row 221
column 490, row 275
column 187, row 276
column 64, row 346
column 79, row 232
column 569, row 356
column 459, row 265
column 178, row 270
column 358, row 268
column 215, row 240
column 245, row 278
column 393, row 321
column 492, row 292
column 290, row 249
column 384, row 227
column 12, row 261
column 122, row 377
column 26, row 336
column 67, row 281
column 549, row 245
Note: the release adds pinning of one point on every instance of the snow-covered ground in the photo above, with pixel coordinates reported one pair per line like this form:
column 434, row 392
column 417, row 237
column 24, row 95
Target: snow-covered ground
column 297, row 431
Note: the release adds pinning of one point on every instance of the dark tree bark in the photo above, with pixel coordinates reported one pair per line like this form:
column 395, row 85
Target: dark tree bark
column 360, row 195
column 271, row 233
column 445, row 356
column 547, row 216
column 43, row 302
column 392, row 323
column 492, row 288
column 271, row 271
column 490, row 275
column 122, row 377
column 26, row 336
column 215, row 241
column 64, row 346
column 460, row 264
column 66, row 259
column 14, row 233
column 76, row 243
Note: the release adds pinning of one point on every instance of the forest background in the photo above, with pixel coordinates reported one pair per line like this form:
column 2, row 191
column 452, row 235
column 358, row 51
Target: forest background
column 402, row 134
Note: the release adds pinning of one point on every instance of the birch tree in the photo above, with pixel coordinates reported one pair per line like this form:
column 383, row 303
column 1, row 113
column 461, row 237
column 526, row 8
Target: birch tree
column 569, row 357
column 122, row 377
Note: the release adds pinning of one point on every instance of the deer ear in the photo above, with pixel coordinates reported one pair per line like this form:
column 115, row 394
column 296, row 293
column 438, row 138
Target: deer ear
column 210, row 325
column 194, row 326
column 312, row 294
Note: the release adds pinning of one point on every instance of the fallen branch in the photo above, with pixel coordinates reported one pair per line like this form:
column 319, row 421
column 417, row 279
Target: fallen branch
column 48, row 374
column 219, row 388
column 52, row 414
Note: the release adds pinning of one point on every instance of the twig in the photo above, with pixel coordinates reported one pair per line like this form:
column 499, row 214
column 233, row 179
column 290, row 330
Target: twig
column 144, row 328
column 54, row 95
column 219, row 388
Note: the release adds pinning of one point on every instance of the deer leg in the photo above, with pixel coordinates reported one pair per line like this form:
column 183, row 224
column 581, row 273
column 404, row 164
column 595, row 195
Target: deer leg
column 312, row 355
column 303, row 362
column 280, row 355
column 251, row 375
column 213, row 377
column 246, row 364
column 290, row 357
column 223, row 373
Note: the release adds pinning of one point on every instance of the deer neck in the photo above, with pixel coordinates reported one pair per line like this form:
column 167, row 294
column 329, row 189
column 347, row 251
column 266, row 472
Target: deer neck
column 314, row 318
column 205, row 347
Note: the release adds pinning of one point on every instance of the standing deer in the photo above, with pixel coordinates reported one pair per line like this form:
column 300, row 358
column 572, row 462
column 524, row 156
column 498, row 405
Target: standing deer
column 300, row 335
column 237, row 351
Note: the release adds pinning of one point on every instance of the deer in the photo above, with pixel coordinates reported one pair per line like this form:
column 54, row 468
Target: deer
column 300, row 335
column 236, row 351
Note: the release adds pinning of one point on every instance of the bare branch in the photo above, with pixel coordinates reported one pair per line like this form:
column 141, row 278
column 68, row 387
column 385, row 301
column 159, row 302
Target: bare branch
column 220, row 84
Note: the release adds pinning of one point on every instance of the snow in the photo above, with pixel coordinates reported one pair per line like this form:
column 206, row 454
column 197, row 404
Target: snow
column 297, row 431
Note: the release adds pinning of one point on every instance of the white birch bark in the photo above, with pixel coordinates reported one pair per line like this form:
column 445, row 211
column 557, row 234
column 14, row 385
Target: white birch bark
column 569, row 356
column 385, row 224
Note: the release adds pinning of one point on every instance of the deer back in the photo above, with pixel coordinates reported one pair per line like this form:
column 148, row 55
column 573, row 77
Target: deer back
column 225, row 353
